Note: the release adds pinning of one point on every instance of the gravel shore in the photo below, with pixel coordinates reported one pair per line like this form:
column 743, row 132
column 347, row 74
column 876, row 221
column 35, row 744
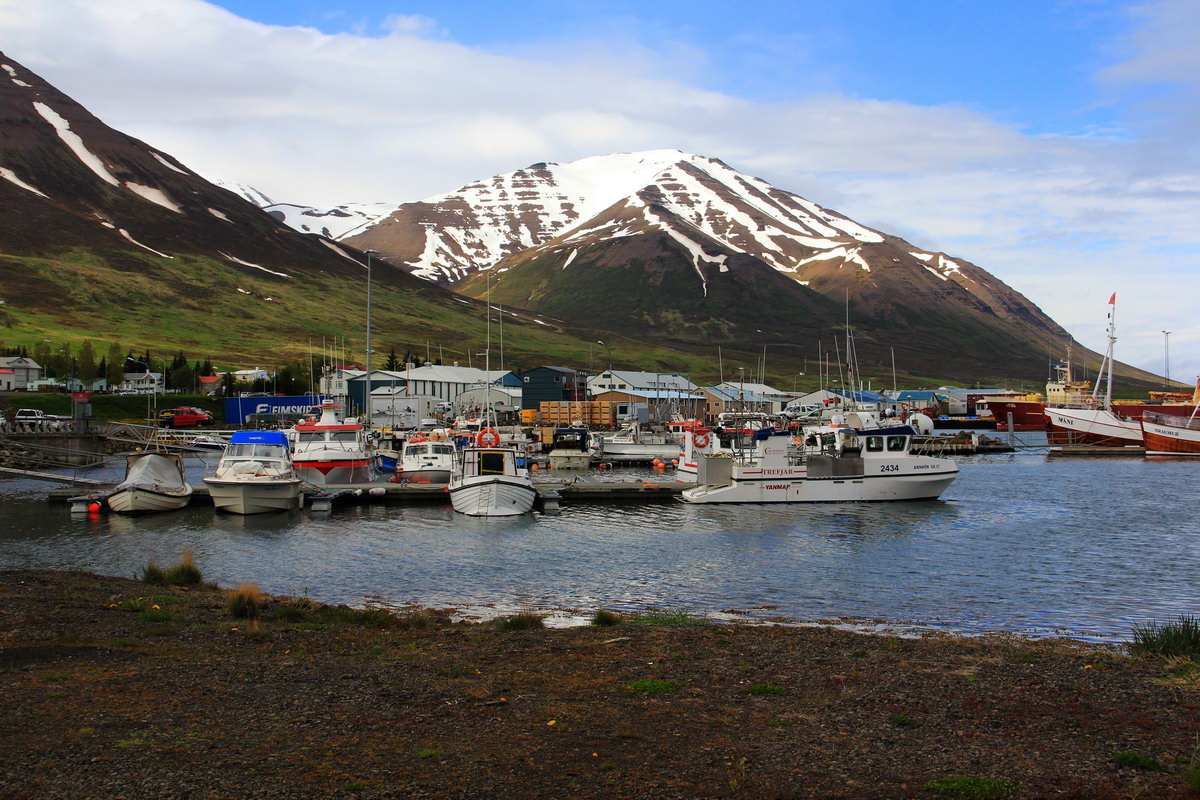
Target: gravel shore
column 113, row 688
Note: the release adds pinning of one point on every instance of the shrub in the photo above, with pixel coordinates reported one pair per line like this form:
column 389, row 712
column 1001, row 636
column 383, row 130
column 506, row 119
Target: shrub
column 1178, row 638
column 972, row 788
column 606, row 618
column 132, row 604
column 652, row 686
column 765, row 689
column 427, row 752
column 1129, row 758
column 520, row 622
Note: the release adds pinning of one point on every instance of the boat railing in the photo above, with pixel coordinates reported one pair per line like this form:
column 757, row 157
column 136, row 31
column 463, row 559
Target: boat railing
column 1172, row 420
column 250, row 469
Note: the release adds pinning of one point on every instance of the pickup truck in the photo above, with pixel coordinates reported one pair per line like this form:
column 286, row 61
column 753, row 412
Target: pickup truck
column 36, row 415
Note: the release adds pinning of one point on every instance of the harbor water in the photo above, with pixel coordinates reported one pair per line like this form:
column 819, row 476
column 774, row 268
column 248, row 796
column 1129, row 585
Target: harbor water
column 1023, row 543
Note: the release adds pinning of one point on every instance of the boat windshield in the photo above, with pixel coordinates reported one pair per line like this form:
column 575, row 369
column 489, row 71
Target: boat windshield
column 256, row 451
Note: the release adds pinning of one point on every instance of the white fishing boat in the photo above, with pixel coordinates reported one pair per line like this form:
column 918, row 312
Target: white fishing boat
column 255, row 475
column 153, row 482
column 423, row 460
column 332, row 451
column 631, row 443
column 838, row 465
column 488, row 483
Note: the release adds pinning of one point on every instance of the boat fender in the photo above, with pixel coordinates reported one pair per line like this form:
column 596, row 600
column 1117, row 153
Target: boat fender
column 488, row 437
column 700, row 438
column 378, row 491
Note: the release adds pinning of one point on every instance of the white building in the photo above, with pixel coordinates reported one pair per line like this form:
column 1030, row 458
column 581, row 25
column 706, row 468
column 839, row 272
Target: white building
column 142, row 382
column 23, row 371
column 629, row 381
column 392, row 407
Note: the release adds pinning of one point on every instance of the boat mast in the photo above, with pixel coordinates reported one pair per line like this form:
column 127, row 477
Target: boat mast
column 1112, row 338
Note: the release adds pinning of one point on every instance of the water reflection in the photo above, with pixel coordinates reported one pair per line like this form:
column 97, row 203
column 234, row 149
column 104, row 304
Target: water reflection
column 1019, row 543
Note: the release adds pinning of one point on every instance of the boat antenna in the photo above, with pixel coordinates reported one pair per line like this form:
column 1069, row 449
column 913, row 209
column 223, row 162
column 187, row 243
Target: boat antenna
column 720, row 364
column 500, row 309
column 893, row 350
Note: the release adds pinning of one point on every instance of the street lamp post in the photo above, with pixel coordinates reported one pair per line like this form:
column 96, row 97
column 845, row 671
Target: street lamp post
column 367, row 398
column 608, row 351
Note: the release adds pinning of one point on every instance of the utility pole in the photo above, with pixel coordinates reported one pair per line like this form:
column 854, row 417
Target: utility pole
column 367, row 398
column 1167, row 358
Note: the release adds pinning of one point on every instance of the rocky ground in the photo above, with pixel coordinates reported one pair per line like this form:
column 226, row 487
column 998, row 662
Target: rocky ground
column 113, row 688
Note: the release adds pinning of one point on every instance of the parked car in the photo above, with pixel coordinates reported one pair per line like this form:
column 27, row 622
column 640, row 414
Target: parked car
column 36, row 415
column 184, row 417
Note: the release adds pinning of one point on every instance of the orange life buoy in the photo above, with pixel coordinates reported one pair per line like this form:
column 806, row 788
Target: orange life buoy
column 1089, row 401
column 488, row 437
column 420, row 437
column 700, row 438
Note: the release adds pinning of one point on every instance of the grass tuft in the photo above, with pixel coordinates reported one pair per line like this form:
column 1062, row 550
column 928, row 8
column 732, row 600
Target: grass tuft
column 123, row 643
column 653, row 686
column 1135, row 760
column 520, row 622
column 428, row 752
column 606, row 618
column 185, row 573
column 972, row 788
column 286, row 612
column 154, row 574
column 245, row 601
column 903, row 721
column 132, row 604
column 672, row 618
column 765, row 689
column 1180, row 637
column 155, row 616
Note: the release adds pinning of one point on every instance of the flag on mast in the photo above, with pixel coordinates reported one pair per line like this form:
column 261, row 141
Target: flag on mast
column 1112, row 301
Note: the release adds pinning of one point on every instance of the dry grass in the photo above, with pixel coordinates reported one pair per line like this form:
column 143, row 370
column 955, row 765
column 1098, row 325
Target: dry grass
column 245, row 601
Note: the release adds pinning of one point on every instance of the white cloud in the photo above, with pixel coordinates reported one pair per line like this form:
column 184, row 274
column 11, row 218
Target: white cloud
column 325, row 119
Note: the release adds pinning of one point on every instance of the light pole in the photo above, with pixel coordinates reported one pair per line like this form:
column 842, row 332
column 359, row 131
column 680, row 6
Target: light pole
column 1167, row 357
column 367, row 398
column 608, row 351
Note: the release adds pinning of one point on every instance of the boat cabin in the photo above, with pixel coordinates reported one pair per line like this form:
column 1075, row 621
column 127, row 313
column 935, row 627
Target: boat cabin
column 485, row 461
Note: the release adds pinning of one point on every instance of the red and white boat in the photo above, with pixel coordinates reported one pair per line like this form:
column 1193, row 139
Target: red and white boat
column 332, row 451
column 1173, row 435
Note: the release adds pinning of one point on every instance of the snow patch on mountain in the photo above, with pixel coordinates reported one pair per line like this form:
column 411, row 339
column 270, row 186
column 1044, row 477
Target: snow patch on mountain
column 156, row 196
column 11, row 177
column 236, row 260
column 219, row 215
column 167, row 164
column 73, row 141
column 12, row 74
column 242, row 190
column 332, row 223
column 125, row 233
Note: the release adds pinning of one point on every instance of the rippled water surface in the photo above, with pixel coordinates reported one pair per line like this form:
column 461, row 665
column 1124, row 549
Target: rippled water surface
column 1023, row 543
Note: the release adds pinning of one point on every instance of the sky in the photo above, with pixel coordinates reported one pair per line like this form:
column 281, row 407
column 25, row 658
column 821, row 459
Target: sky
column 1052, row 142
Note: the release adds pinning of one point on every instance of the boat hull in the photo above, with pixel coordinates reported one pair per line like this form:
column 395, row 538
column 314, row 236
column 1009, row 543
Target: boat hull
column 573, row 459
column 493, row 497
column 635, row 451
column 145, row 501
column 336, row 472
column 1027, row 415
column 1091, row 426
column 424, row 475
column 1170, row 440
column 849, row 489
column 254, row 497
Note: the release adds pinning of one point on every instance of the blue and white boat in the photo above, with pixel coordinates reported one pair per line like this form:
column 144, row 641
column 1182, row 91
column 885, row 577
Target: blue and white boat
column 255, row 475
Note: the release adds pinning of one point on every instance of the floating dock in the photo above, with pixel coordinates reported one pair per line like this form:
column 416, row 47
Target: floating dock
column 1090, row 450
column 320, row 499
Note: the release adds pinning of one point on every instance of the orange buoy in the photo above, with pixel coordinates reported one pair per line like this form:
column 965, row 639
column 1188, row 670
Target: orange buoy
column 93, row 506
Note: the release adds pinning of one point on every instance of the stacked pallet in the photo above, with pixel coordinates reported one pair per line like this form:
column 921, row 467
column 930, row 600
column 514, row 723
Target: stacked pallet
column 594, row 414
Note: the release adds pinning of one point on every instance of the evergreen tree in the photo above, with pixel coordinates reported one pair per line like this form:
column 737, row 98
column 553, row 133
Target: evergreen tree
column 207, row 369
column 115, row 365
column 102, row 368
column 391, row 363
column 86, row 367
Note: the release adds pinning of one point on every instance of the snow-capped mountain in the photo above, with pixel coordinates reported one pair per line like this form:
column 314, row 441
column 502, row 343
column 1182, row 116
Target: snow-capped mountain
column 709, row 210
column 242, row 190
column 332, row 223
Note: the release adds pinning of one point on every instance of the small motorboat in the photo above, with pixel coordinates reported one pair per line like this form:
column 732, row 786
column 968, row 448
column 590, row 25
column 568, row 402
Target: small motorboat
column 153, row 482
column 425, row 461
column 255, row 475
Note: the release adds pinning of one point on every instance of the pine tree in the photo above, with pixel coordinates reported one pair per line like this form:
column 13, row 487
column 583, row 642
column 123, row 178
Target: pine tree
column 391, row 363
column 87, row 362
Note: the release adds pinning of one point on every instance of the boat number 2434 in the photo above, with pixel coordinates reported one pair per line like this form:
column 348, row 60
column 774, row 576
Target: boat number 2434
column 889, row 467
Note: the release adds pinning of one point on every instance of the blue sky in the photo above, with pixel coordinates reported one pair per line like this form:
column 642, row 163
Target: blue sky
column 1054, row 143
column 1032, row 63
